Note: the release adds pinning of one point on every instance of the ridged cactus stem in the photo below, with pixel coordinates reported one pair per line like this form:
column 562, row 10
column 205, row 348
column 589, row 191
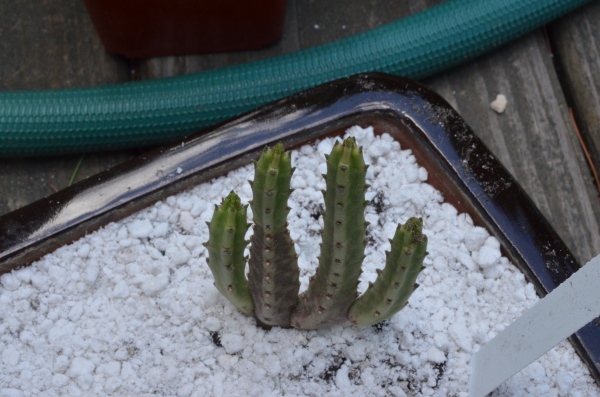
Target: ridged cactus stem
column 273, row 274
column 226, row 244
column 396, row 282
column 271, row 291
column 332, row 289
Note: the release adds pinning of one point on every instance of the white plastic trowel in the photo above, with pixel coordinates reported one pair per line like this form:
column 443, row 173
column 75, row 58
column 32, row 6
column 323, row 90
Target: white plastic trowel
column 562, row 312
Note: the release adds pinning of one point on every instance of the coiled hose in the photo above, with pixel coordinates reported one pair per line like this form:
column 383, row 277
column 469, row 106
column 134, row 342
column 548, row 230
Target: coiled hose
column 51, row 122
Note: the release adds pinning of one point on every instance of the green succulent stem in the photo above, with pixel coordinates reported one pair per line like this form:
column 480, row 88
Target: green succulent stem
column 397, row 281
column 332, row 289
column 271, row 290
column 226, row 244
column 273, row 274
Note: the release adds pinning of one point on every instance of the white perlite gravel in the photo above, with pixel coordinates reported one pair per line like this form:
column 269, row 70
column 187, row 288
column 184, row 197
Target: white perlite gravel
column 130, row 310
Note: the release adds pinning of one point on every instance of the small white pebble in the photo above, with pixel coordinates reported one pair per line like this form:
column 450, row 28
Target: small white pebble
column 61, row 363
column 141, row 228
column 10, row 356
column 177, row 255
column 10, row 281
column 233, row 343
column 498, row 105
column 81, row 367
column 342, row 380
column 187, row 221
column 435, row 355
column 212, row 324
column 489, row 254
column 152, row 285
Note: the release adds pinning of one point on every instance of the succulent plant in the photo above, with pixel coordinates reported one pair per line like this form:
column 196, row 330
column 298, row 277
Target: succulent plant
column 273, row 274
column 271, row 290
column 225, row 245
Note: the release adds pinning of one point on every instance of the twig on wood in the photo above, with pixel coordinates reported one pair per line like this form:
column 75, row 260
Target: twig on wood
column 52, row 187
column 585, row 151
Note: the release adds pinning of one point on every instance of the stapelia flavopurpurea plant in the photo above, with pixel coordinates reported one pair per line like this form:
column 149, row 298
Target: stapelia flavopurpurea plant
column 273, row 266
column 271, row 290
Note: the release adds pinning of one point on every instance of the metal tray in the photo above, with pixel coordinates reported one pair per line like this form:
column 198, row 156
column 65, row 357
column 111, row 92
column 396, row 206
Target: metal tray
column 459, row 165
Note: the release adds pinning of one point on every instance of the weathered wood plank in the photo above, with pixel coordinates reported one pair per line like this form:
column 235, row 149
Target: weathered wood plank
column 50, row 45
column 321, row 22
column 23, row 181
column 534, row 138
column 576, row 41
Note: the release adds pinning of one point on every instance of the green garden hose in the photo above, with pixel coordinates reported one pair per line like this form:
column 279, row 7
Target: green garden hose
column 147, row 113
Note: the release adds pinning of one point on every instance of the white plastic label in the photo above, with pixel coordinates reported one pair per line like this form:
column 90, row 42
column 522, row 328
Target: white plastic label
column 554, row 318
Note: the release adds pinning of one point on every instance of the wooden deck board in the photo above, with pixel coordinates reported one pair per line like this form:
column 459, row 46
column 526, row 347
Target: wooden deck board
column 576, row 41
column 533, row 138
column 50, row 45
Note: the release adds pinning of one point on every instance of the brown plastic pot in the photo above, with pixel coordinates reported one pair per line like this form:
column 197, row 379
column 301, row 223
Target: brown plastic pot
column 151, row 28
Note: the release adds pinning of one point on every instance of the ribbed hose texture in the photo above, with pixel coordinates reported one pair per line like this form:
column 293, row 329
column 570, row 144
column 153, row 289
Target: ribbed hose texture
column 146, row 113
